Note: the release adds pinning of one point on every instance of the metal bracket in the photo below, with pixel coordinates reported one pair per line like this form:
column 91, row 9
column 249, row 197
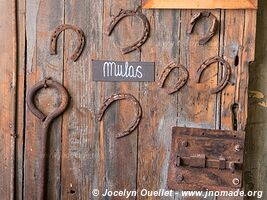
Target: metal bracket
column 212, row 30
column 81, row 40
column 124, row 13
column 138, row 113
column 183, row 77
column 226, row 77
column 206, row 159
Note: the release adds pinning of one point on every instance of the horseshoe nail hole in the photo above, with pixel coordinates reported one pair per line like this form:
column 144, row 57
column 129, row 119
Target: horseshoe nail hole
column 236, row 60
column 47, row 100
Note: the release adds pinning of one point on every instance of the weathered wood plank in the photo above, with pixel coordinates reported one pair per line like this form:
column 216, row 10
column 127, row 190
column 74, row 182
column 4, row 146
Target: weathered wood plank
column 8, row 57
column 232, row 52
column 119, row 156
column 199, row 4
column 21, row 32
column 200, row 107
column 248, row 56
column 41, row 19
column 196, row 107
column 160, row 111
column 80, row 136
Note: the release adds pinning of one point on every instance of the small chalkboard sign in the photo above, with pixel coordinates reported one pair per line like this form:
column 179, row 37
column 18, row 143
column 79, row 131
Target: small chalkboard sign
column 123, row 71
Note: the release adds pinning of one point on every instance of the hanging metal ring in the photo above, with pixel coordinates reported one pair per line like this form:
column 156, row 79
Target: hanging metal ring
column 212, row 30
column 58, row 111
column 183, row 77
column 81, row 40
column 138, row 113
column 124, row 13
column 225, row 78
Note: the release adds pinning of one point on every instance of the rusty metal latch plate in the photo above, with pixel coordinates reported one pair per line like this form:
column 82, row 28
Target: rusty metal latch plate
column 206, row 159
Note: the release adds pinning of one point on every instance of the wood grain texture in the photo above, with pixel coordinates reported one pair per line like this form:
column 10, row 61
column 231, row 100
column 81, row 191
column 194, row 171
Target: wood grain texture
column 159, row 113
column 84, row 154
column 119, row 155
column 200, row 109
column 8, row 57
column 232, row 52
column 80, row 135
column 21, row 75
column 41, row 19
column 199, row 4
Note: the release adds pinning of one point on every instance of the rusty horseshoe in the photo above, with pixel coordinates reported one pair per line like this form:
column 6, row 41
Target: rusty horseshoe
column 138, row 113
column 226, row 76
column 46, row 121
column 124, row 13
column 212, row 29
column 81, row 40
column 182, row 79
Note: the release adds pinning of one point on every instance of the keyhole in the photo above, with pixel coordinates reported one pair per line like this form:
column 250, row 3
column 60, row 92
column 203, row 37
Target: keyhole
column 236, row 60
column 234, row 109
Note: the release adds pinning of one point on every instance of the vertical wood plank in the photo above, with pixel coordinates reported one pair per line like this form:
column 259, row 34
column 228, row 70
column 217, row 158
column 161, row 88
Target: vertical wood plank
column 248, row 56
column 8, row 73
column 119, row 156
column 21, row 74
column 42, row 17
column 159, row 108
column 232, row 53
column 230, row 50
column 80, row 142
column 200, row 107
column 196, row 107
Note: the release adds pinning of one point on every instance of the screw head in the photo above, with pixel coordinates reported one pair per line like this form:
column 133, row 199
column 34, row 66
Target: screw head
column 238, row 148
column 180, row 178
column 184, row 143
column 236, row 181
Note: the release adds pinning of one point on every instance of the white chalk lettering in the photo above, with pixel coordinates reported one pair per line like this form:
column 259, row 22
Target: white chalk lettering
column 111, row 69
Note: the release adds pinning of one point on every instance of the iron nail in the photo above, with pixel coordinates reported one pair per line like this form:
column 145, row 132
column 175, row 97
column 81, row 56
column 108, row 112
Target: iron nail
column 238, row 148
column 236, row 181
column 185, row 143
column 180, row 178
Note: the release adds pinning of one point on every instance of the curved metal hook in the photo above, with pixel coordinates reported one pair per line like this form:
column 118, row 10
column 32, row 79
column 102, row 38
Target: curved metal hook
column 182, row 79
column 81, row 40
column 226, row 76
column 58, row 111
column 138, row 114
column 212, row 29
column 124, row 13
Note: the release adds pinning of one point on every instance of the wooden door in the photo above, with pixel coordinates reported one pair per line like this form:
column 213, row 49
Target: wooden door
column 83, row 153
